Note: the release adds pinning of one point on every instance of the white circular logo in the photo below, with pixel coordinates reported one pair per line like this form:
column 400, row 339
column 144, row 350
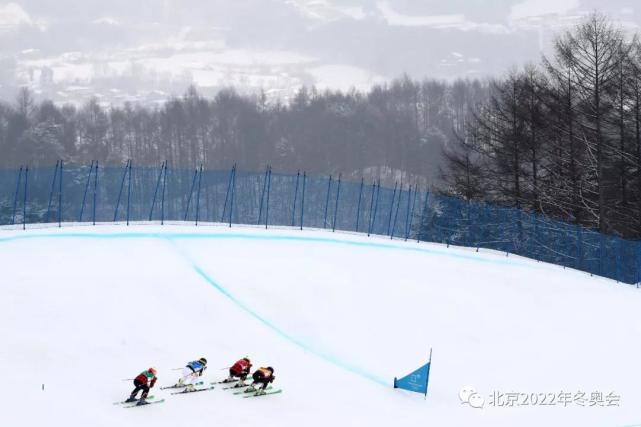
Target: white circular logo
column 465, row 393
column 468, row 395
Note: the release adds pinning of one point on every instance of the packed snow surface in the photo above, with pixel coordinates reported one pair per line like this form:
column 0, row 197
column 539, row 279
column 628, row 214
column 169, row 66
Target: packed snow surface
column 338, row 316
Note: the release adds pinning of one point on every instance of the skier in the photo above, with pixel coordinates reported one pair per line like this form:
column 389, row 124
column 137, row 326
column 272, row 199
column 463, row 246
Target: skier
column 146, row 380
column 192, row 371
column 262, row 376
column 240, row 370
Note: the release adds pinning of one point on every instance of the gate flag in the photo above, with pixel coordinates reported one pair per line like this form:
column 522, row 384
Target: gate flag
column 416, row 381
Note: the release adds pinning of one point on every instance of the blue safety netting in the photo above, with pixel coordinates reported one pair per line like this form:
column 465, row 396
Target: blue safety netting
column 131, row 193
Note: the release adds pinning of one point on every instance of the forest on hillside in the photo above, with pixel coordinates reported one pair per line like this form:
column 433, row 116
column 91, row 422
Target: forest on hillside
column 562, row 137
column 393, row 132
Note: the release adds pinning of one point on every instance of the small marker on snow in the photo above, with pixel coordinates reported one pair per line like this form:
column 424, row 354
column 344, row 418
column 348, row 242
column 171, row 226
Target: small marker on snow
column 43, row 387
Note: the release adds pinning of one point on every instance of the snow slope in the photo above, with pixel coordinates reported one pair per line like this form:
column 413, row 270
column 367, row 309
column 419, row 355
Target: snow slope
column 337, row 315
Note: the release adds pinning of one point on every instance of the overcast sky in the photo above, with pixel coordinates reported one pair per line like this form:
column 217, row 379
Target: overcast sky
column 146, row 49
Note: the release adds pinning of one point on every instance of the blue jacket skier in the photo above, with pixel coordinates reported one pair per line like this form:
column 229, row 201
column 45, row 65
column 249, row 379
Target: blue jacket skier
column 192, row 371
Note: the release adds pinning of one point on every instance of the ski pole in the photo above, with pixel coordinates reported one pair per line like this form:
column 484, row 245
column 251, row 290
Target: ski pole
column 127, row 379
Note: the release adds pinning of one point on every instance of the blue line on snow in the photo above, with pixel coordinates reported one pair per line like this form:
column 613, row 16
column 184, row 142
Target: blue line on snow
column 284, row 334
column 324, row 355
column 249, row 236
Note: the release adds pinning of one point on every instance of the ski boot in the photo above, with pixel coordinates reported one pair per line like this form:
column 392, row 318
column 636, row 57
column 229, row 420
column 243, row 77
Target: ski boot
column 260, row 392
column 142, row 401
column 189, row 388
column 131, row 399
column 250, row 389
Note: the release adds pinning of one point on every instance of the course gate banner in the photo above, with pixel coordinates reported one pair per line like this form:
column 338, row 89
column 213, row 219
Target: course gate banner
column 416, row 381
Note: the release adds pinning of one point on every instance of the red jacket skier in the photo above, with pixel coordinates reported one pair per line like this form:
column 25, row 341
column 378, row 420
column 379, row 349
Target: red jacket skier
column 240, row 370
column 146, row 380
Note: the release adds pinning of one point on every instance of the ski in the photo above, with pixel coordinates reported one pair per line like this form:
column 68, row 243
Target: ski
column 180, row 385
column 136, row 405
column 237, row 387
column 211, row 387
column 249, row 390
column 125, row 402
column 264, row 394
column 227, row 381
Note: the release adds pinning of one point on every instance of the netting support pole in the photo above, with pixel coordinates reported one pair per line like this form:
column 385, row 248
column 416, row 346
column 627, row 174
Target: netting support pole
column 233, row 194
column 15, row 197
column 53, row 187
column 378, row 196
column 24, row 202
column 601, row 253
column 295, row 198
column 122, row 184
column 231, row 175
column 262, row 196
column 391, row 210
column 302, row 201
column 200, row 178
column 153, row 200
column 407, row 212
column 371, row 210
column 358, row 207
column 191, row 192
column 329, row 188
column 162, row 199
column 269, row 189
column 60, row 197
column 398, row 205
column 579, row 246
column 84, row 195
column 338, row 192
column 411, row 214
column 95, row 193
column 128, row 192
column 421, row 225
